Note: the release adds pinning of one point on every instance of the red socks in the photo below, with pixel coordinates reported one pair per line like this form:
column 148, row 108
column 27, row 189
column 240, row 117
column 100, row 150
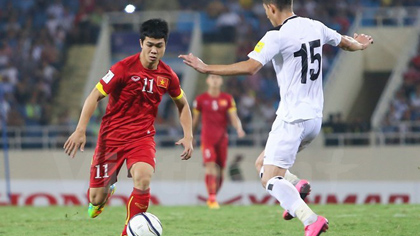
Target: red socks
column 211, row 183
column 219, row 183
column 138, row 202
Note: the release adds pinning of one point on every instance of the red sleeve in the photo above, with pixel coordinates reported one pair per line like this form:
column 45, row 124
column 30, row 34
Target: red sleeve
column 112, row 79
column 174, row 89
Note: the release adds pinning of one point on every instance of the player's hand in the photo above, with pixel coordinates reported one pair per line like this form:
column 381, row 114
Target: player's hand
column 241, row 133
column 363, row 39
column 194, row 62
column 75, row 141
column 188, row 147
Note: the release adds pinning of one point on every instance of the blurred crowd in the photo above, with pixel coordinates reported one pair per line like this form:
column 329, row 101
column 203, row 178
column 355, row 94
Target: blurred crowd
column 32, row 43
column 335, row 124
column 35, row 35
column 34, row 38
column 404, row 110
column 243, row 23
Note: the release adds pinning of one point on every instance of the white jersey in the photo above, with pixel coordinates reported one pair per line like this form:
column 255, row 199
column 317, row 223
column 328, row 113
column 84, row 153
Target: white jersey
column 295, row 48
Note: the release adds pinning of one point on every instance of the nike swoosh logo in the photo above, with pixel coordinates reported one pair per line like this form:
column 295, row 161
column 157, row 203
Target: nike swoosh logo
column 141, row 206
column 135, row 78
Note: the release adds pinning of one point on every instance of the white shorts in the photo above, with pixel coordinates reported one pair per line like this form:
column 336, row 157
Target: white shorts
column 285, row 140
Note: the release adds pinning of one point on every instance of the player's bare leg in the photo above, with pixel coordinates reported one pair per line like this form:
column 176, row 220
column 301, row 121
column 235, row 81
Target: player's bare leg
column 138, row 201
column 212, row 172
column 302, row 185
column 98, row 197
column 220, row 173
column 289, row 198
column 259, row 164
column 260, row 169
column 288, row 176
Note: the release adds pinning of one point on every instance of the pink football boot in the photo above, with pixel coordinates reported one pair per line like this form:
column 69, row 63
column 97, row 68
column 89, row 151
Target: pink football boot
column 315, row 229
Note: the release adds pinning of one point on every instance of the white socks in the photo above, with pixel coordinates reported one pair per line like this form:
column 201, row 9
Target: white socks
column 306, row 215
column 291, row 177
column 290, row 200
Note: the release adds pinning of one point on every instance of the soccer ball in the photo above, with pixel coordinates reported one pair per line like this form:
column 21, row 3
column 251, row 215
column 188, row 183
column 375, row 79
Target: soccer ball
column 144, row 224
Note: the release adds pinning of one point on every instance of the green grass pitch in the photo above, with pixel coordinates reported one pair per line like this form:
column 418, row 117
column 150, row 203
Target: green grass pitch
column 401, row 220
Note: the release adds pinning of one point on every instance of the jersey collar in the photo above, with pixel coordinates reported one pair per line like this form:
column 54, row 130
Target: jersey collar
column 292, row 17
column 278, row 27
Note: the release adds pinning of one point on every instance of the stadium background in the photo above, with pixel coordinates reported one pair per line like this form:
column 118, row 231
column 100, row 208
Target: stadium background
column 53, row 52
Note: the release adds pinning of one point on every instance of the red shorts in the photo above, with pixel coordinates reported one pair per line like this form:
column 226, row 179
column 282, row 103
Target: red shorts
column 216, row 152
column 107, row 161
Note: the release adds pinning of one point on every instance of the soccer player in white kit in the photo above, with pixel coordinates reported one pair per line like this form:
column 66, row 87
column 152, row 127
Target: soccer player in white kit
column 295, row 48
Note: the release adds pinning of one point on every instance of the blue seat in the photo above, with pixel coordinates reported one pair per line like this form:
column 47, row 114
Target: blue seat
column 23, row 5
column 3, row 3
column 185, row 23
column 40, row 18
column 72, row 4
column 208, row 24
column 371, row 3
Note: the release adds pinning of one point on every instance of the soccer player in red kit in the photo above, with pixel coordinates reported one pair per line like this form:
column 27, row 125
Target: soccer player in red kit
column 215, row 107
column 135, row 86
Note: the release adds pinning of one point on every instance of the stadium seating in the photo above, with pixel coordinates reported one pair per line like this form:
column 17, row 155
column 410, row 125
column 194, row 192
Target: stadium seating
column 43, row 41
column 404, row 111
column 32, row 54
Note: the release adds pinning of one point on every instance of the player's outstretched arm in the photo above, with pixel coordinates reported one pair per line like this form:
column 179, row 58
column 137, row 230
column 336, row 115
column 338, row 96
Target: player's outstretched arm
column 236, row 123
column 186, row 122
column 358, row 42
column 248, row 67
column 78, row 138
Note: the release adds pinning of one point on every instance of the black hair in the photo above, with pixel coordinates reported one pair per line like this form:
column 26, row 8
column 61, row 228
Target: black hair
column 154, row 28
column 280, row 4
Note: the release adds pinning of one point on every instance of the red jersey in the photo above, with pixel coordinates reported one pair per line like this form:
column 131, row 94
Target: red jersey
column 134, row 96
column 214, row 115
